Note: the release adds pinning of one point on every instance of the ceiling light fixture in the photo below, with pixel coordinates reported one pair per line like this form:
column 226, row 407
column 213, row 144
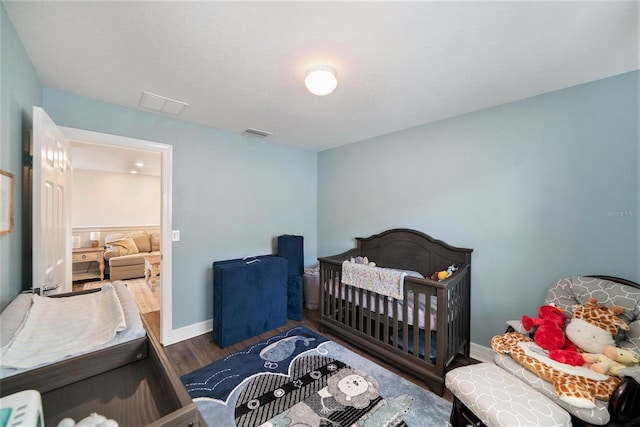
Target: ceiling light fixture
column 321, row 80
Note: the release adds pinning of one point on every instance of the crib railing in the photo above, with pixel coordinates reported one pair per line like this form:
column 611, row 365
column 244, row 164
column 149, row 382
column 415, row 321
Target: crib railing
column 391, row 329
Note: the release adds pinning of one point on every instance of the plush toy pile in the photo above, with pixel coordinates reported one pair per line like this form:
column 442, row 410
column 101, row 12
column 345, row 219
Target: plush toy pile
column 592, row 329
column 587, row 342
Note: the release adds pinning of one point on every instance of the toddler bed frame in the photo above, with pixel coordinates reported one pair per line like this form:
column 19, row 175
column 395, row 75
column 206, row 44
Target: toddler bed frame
column 384, row 325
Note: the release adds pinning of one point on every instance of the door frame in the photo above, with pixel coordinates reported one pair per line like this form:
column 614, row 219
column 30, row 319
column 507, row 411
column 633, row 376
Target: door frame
column 166, row 152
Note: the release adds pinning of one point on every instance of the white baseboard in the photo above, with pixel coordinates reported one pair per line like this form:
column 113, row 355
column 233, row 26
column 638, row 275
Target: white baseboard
column 481, row 353
column 188, row 332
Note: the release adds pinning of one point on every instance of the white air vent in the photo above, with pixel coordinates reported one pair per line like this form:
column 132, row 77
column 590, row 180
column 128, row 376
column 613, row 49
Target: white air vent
column 154, row 102
column 257, row 132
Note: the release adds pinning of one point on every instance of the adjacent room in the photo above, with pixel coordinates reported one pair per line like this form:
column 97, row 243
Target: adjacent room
column 359, row 208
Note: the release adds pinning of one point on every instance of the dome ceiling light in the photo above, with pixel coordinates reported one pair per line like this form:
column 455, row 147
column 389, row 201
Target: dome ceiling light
column 321, row 80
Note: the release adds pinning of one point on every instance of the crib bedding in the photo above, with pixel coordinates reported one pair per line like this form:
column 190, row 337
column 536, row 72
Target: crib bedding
column 353, row 297
column 384, row 281
column 15, row 314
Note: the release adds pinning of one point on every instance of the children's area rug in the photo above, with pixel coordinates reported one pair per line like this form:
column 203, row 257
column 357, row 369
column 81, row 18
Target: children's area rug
column 300, row 378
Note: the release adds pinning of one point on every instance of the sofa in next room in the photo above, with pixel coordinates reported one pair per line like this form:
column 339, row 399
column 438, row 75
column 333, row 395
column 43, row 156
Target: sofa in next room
column 125, row 252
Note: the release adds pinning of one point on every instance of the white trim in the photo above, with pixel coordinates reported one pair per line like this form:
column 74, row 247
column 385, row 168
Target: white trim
column 166, row 301
column 116, row 227
column 189, row 332
column 481, row 353
column 166, row 151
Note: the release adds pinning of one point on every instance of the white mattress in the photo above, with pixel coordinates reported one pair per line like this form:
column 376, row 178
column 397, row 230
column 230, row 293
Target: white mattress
column 14, row 315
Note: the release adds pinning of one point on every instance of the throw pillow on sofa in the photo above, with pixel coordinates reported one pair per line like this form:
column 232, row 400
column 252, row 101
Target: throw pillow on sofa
column 142, row 240
column 124, row 246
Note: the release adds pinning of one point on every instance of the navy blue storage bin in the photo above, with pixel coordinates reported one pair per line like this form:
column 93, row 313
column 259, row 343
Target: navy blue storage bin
column 249, row 297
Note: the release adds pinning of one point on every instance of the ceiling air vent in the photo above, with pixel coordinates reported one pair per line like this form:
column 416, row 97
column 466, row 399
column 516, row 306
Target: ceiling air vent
column 154, row 102
column 257, row 132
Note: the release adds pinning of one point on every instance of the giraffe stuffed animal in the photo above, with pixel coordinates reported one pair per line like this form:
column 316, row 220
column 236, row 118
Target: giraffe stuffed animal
column 593, row 327
column 576, row 386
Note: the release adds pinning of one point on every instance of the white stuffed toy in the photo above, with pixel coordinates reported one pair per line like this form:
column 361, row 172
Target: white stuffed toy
column 593, row 327
column 93, row 420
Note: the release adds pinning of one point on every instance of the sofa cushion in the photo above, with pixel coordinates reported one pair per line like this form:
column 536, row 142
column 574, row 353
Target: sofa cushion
column 124, row 246
column 131, row 260
column 155, row 242
column 142, row 241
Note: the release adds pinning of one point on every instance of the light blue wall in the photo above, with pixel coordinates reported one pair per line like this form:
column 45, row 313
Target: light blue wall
column 232, row 194
column 20, row 90
column 541, row 188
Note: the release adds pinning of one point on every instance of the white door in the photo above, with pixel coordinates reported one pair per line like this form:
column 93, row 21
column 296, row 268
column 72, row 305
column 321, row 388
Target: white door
column 51, row 236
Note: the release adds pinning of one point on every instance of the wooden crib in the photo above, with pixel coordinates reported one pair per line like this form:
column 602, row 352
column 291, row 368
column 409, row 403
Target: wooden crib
column 387, row 327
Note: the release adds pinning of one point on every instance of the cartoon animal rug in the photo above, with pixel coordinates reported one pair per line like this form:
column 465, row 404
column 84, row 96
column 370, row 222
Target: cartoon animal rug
column 300, row 378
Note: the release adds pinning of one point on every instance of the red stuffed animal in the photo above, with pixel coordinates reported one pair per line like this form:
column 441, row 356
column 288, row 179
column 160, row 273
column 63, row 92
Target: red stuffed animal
column 550, row 336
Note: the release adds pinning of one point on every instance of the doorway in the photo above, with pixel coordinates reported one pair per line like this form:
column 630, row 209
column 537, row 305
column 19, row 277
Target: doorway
column 166, row 153
column 116, row 193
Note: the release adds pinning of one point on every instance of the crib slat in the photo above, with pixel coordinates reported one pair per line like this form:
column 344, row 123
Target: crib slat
column 370, row 312
column 385, row 320
column 405, row 329
column 395, row 322
column 350, row 295
column 416, row 329
column 361, row 313
column 375, row 315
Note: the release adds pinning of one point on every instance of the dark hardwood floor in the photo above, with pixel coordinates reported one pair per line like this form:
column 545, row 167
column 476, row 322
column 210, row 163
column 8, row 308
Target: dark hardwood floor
column 200, row 351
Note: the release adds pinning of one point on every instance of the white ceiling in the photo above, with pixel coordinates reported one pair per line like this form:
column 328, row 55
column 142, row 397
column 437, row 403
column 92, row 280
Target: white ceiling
column 241, row 64
column 112, row 159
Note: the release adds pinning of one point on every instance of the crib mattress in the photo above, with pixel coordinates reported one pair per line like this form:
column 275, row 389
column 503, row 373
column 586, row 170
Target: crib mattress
column 14, row 314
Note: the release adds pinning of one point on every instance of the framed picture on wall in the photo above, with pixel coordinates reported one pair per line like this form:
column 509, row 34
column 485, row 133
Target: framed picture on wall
column 6, row 202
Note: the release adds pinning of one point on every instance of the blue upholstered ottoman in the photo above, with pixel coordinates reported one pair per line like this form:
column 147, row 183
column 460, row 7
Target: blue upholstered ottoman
column 249, row 297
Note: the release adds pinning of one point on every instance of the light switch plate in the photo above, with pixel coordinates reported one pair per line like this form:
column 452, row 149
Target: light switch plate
column 175, row 235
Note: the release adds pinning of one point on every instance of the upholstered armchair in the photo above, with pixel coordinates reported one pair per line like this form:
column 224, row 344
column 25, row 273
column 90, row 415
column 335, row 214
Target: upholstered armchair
column 481, row 404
